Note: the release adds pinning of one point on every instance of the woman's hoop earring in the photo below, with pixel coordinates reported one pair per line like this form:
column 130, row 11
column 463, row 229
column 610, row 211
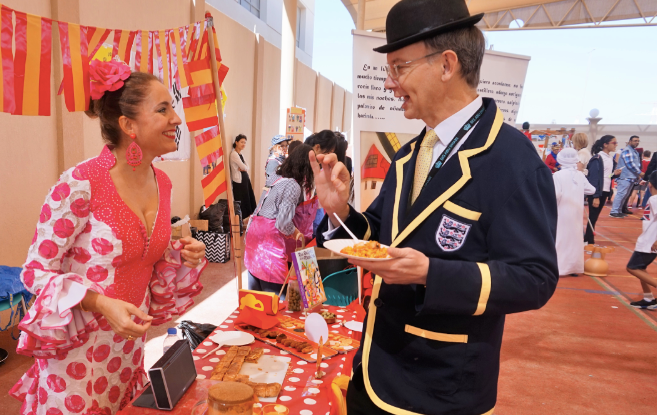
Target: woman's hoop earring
column 133, row 154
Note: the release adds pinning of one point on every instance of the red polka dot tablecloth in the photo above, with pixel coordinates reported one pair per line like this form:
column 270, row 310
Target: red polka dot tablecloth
column 300, row 392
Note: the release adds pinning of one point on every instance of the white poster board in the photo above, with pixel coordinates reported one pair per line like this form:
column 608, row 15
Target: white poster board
column 379, row 121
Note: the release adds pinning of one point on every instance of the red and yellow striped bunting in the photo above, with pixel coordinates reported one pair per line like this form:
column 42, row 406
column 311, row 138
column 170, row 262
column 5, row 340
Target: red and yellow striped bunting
column 179, row 59
column 73, row 42
column 95, row 38
column 163, row 51
column 199, row 117
column 144, row 52
column 7, row 97
column 123, row 40
column 32, row 64
column 208, row 146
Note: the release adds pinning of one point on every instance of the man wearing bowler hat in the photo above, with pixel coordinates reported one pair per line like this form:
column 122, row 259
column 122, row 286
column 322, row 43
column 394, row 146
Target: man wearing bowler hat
column 469, row 211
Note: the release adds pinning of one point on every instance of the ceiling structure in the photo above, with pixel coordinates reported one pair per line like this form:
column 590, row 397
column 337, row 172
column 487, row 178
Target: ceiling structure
column 529, row 14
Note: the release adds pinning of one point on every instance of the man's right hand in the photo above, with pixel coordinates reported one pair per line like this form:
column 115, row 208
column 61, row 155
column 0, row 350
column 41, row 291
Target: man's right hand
column 332, row 183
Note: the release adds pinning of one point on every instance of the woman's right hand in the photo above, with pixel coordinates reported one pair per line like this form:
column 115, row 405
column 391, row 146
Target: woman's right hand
column 617, row 172
column 596, row 202
column 332, row 184
column 118, row 314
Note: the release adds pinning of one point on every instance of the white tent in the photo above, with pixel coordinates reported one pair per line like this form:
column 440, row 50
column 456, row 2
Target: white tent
column 530, row 14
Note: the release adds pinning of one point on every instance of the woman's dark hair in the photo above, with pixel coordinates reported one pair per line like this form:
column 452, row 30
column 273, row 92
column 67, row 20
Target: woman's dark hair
column 238, row 138
column 599, row 145
column 293, row 144
column 525, row 125
column 297, row 166
column 341, row 147
column 326, row 139
column 653, row 179
column 124, row 101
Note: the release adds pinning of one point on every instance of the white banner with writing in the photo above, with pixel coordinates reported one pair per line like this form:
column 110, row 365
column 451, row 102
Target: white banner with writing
column 380, row 127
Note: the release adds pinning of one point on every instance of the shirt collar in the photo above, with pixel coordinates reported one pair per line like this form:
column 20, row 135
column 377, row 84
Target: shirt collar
column 447, row 129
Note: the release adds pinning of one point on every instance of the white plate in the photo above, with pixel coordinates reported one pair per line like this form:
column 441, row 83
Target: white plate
column 354, row 325
column 232, row 338
column 336, row 245
column 269, row 369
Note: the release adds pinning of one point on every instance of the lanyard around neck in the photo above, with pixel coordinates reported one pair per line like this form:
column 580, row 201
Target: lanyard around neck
column 452, row 144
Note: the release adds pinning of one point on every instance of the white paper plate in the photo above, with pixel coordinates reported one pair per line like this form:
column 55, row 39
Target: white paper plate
column 269, row 369
column 336, row 245
column 354, row 325
column 232, row 338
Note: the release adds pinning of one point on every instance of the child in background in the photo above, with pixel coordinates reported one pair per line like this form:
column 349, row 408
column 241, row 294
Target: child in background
column 645, row 250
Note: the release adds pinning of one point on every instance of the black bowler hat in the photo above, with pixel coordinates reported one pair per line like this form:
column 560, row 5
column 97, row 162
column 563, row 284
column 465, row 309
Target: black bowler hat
column 410, row 21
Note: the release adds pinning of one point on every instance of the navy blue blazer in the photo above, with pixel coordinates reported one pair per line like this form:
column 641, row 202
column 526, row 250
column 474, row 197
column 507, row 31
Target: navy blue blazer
column 487, row 221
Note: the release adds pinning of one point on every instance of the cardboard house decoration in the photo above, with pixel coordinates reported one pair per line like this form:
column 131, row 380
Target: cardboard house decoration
column 373, row 171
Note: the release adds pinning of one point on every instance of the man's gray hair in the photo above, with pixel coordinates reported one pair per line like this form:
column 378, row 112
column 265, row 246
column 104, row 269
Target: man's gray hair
column 469, row 45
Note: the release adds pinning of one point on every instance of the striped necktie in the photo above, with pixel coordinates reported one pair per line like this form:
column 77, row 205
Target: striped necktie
column 423, row 163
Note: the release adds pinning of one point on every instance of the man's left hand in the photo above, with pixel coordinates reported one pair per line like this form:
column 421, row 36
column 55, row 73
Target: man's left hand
column 408, row 266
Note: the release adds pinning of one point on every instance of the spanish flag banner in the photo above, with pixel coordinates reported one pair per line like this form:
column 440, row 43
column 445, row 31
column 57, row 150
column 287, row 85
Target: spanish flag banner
column 123, row 40
column 144, row 52
column 214, row 183
column 95, row 38
column 208, row 146
column 73, row 42
column 201, row 116
column 163, row 51
column 7, row 97
column 32, row 64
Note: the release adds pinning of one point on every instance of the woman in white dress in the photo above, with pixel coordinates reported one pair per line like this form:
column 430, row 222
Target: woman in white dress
column 570, row 185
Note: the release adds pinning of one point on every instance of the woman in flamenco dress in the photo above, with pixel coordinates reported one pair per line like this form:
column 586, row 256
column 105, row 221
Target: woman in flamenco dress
column 101, row 263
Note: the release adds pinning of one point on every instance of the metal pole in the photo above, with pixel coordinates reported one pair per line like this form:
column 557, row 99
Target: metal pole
column 234, row 219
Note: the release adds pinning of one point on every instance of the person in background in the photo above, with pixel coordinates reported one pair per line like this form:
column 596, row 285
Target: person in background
column 646, row 165
column 277, row 154
column 581, row 143
column 640, row 186
column 271, row 237
column 630, row 164
column 551, row 159
column 601, row 168
column 242, row 189
column 645, row 250
column 293, row 144
column 570, row 187
column 323, row 142
column 525, row 130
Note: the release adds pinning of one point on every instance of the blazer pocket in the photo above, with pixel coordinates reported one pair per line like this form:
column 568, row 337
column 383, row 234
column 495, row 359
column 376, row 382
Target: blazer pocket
column 461, row 211
column 432, row 335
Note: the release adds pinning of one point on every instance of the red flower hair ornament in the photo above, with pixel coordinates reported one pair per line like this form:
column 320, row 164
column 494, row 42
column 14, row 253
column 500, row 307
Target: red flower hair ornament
column 107, row 76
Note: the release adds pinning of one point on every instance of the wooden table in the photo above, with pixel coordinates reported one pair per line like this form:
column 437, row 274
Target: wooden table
column 301, row 392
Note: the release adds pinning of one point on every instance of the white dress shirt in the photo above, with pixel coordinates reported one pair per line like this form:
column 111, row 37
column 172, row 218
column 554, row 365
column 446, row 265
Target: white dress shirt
column 608, row 170
column 445, row 131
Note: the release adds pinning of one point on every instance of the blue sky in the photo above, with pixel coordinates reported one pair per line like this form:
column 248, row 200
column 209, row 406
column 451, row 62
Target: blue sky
column 571, row 70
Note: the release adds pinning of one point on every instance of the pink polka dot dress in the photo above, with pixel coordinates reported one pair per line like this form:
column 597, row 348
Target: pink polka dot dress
column 88, row 238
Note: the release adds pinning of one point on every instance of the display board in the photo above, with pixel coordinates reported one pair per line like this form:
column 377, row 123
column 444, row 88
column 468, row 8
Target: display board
column 296, row 121
column 380, row 127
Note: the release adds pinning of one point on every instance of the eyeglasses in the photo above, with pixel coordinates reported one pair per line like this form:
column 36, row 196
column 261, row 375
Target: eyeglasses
column 393, row 71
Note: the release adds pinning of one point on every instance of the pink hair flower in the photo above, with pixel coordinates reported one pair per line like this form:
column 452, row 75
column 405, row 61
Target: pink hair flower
column 107, row 76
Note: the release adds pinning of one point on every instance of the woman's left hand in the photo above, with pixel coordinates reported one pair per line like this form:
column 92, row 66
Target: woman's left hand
column 193, row 251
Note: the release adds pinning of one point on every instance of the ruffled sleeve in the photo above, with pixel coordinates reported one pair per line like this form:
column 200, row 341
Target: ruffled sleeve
column 173, row 285
column 52, row 327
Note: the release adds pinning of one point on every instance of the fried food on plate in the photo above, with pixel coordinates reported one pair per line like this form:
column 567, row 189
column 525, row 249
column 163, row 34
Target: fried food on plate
column 371, row 249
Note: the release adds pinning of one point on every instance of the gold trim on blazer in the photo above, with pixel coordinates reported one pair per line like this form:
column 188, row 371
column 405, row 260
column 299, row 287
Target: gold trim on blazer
column 371, row 316
column 463, row 156
column 461, row 211
column 399, row 165
column 485, row 289
column 432, row 335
